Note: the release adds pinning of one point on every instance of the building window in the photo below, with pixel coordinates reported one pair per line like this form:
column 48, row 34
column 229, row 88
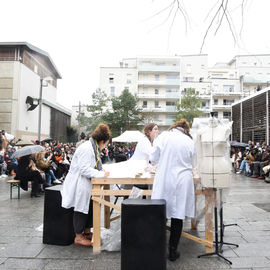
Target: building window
column 228, row 88
column 201, row 79
column 171, row 90
column 156, row 91
column 215, row 114
column 144, row 104
column 227, row 115
column 228, row 101
column 112, row 91
column 215, row 101
column 203, row 104
column 217, row 75
column 172, row 76
column 128, row 81
column 188, row 79
column 111, row 80
column 126, row 65
column 157, row 104
column 170, row 103
column 156, row 77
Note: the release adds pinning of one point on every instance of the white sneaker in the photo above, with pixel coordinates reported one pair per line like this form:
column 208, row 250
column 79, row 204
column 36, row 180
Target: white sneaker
column 4, row 176
column 239, row 172
column 56, row 181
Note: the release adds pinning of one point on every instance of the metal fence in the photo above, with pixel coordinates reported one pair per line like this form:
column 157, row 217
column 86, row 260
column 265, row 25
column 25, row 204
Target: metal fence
column 251, row 119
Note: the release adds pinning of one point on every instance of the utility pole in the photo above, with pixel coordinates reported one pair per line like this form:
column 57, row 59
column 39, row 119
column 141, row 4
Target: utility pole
column 79, row 121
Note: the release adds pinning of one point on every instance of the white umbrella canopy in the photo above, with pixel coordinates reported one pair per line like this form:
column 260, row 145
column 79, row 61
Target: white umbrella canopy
column 129, row 136
column 28, row 150
column 9, row 136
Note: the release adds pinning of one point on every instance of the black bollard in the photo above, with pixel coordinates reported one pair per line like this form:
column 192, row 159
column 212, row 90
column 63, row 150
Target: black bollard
column 58, row 221
column 143, row 235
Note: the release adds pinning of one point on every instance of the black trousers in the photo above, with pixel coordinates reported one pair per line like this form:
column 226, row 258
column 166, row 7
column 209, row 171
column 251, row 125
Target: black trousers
column 176, row 230
column 82, row 221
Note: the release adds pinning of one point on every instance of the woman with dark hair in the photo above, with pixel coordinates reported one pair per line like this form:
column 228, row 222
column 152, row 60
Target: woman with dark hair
column 85, row 164
column 27, row 171
column 145, row 145
column 173, row 152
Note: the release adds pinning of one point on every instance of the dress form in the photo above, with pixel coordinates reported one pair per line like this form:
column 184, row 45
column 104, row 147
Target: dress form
column 213, row 152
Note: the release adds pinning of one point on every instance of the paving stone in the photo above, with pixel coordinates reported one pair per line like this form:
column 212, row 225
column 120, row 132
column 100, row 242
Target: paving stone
column 69, row 264
column 18, row 263
column 250, row 262
column 69, row 252
column 2, row 260
column 253, row 250
column 19, row 250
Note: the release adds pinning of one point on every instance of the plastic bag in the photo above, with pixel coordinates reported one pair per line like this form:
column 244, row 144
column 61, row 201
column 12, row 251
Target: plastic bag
column 111, row 238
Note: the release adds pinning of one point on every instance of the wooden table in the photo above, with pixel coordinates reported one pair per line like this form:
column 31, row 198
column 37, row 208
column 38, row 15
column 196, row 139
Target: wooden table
column 101, row 193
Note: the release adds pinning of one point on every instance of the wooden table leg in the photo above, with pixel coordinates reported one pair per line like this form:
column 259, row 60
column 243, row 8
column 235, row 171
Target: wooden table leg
column 96, row 223
column 209, row 218
column 107, row 223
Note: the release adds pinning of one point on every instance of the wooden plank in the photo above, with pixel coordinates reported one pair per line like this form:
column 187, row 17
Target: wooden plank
column 194, row 238
column 107, row 222
column 124, row 192
column 131, row 181
column 96, row 199
column 115, row 218
column 209, row 218
column 96, row 223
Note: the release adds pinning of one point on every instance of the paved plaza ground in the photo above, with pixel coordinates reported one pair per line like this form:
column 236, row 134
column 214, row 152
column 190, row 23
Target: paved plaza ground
column 247, row 204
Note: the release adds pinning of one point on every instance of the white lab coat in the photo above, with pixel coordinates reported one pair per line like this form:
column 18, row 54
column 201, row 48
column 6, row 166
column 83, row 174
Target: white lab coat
column 143, row 149
column 174, row 153
column 77, row 185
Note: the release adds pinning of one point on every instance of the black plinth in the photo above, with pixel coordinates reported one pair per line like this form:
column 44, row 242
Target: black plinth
column 58, row 221
column 143, row 235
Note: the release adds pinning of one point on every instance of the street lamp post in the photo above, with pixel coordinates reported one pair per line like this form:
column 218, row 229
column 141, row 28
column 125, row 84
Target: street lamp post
column 40, row 101
column 40, row 107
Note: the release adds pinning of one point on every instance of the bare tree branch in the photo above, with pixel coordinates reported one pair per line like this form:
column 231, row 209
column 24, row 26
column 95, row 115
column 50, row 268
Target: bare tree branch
column 230, row 25
column 242, row 23
column 209, row 26
column 224, row 10
column 171, row 27
column 172, row 4
column 167, row 18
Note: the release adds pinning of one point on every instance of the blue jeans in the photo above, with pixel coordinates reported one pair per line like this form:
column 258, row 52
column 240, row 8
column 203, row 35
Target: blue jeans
column 51, row 177
column 243, row 165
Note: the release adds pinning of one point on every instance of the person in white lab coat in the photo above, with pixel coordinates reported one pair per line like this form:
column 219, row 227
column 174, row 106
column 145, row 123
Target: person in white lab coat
column 145, row 145
column 174, row 153
column 86, row 163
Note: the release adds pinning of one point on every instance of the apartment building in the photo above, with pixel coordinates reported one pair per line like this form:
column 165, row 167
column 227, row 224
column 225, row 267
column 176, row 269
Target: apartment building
column 160, row 82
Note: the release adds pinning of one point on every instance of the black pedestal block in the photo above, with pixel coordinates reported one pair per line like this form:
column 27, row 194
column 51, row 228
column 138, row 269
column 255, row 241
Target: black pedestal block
column 58, row 221
column 143, row 235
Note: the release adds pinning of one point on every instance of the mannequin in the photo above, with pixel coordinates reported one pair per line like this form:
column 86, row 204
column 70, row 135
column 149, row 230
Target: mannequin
column 213, row 155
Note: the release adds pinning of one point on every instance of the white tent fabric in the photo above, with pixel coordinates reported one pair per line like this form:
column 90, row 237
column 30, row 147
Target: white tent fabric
column 129, row 136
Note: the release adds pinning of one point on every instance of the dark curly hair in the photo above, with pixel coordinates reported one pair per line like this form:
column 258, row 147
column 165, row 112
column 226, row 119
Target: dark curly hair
column 183, row 123
column 101, row 133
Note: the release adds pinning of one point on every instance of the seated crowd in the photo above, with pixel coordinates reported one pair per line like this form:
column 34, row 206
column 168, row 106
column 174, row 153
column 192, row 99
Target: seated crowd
column 42, row 169
column 252, row 161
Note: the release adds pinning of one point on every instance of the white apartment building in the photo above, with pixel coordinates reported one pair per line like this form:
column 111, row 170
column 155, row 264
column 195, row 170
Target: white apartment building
column 159, row 82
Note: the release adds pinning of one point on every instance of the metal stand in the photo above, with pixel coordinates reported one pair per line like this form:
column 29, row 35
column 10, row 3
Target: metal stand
column 222, row 226
column 217, row 249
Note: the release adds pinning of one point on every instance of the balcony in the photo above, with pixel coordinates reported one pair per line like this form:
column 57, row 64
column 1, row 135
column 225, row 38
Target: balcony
column 222, row 107
column 226, row 94
column 158, row 96
column 157, row 68
column 160, row 109
column 169, row 82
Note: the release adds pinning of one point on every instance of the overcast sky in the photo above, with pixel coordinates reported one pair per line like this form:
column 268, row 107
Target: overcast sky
column 83, row 35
